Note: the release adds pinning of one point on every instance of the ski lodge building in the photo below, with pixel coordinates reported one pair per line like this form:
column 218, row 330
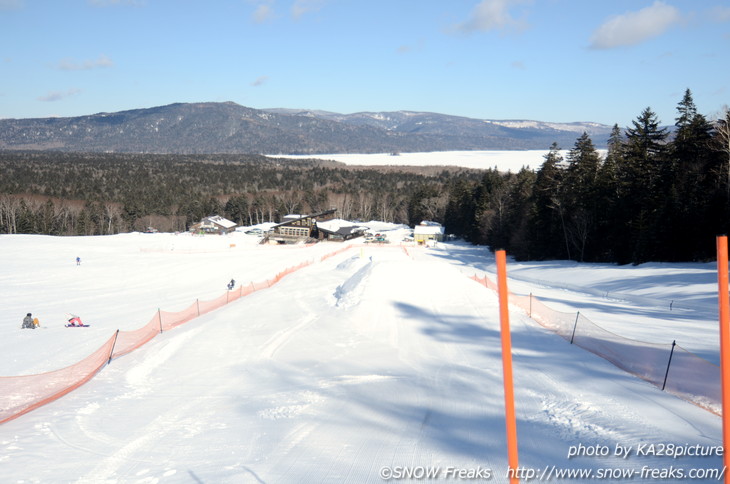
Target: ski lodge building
column 428, row 233
column 214, row 225
column 312, row 228
column 298, row 228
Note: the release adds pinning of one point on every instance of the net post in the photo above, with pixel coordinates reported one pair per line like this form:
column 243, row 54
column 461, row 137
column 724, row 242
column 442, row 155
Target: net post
column 509, row 394
column 159, row 318
column 114, row 343
column 575, row 325
column 724, row 313
column 666, row 374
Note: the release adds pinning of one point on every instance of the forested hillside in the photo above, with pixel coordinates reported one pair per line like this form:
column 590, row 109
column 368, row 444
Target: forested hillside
column 190, row 128
column 85, row 194
column 652, row 198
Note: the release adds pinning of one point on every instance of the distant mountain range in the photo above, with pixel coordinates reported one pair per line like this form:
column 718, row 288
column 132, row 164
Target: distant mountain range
column 230, row 128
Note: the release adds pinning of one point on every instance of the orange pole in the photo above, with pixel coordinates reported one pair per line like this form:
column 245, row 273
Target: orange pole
column 724, row 300
column 509, row 393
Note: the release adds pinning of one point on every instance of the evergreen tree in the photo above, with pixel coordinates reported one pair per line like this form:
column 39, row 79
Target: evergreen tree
column 236, row 209
column 689, row 181
column 491, row 197
column 521, row 206
column 580, row 191
column 460, row 213
column 646, row 185
column 547, row 235
column 611, row 243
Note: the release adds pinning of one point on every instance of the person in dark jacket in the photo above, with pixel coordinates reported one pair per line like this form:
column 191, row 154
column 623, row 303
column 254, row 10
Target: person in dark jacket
column 28, row 322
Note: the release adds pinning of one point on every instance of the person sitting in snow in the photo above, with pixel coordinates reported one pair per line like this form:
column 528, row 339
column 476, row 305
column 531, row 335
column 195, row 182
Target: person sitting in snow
column 74, row 321
column 36, row 323
column 28, row 322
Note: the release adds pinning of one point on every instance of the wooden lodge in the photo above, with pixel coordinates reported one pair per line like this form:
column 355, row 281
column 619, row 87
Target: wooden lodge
column 298, row 228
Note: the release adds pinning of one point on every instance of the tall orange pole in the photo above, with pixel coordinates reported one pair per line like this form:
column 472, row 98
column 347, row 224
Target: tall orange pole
column 509, row 393
column 724, row 300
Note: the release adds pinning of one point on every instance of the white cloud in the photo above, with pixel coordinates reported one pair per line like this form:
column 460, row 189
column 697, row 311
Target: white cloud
column 493, row 15
column 260, row 81
column 633, row 28
column 301, row 7
column 263, row 13
column 58, row 95
column 72, row 65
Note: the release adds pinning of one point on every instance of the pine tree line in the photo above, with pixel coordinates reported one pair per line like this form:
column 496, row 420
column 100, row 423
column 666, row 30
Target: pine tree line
column 652, row 198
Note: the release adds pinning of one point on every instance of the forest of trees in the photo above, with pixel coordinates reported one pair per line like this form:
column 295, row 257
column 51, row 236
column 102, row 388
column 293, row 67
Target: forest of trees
column 655, row 196
column 98, row 194
column 651, row 198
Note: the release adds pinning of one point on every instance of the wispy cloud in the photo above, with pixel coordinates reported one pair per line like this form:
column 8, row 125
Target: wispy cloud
column 489, row 15
column 72, row 65
column 633, row 28
column 409, row 48
column 263, row 11
column 58, row 95
column 302, row 7
column 260, row 81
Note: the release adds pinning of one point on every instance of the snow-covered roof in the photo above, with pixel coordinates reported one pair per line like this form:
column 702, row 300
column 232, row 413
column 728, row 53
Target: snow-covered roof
column 223, row 222
column 428, row 229
column 340, row 226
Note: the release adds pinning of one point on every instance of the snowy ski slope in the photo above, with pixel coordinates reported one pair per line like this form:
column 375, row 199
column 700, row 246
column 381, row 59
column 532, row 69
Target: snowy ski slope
column 371, row 364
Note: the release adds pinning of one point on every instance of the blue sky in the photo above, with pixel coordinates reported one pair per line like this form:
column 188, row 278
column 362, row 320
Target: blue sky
column 548, row 60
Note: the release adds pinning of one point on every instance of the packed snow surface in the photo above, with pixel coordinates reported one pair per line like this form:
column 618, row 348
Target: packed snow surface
column 373, row 363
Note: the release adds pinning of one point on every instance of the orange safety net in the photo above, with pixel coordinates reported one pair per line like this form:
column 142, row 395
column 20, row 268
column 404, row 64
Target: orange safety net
column 128, row 341
column 687, row 375
column 168, row 320
column 21, row 394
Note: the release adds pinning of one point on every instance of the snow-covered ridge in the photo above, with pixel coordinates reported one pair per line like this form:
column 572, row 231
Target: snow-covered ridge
column 577, row 127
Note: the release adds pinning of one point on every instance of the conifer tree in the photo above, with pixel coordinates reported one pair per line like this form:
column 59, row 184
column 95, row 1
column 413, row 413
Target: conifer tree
column 460, row 209
column 686, row 202
column 580, row 188
column 646, row 185
column 610, row 187
column 548, row 237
